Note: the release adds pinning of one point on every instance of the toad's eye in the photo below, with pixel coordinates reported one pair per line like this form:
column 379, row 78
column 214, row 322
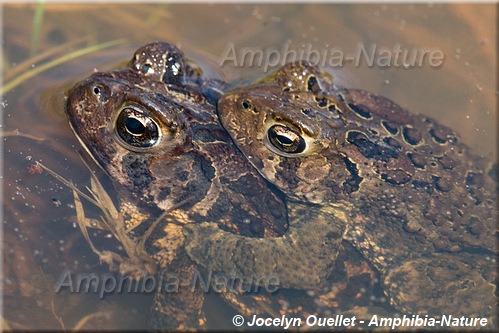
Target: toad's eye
column 245, row 104
column 286, row 139
column 137, row 129
column 174, row 69
column 102, row 92
column 146, row 69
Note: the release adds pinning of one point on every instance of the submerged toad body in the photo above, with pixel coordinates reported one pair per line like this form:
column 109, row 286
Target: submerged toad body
column 415, row 201
column 152, row 130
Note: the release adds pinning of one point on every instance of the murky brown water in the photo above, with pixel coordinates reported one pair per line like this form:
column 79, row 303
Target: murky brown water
column 39, row 239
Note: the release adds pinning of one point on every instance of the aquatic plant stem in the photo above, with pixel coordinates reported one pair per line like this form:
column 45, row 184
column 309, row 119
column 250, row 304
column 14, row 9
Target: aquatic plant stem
column 37, row 27
column 39, row 69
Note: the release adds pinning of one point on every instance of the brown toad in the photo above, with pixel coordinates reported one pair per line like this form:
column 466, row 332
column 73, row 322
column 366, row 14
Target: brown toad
column 158, row 62
column 161, row 143
column 415, row 201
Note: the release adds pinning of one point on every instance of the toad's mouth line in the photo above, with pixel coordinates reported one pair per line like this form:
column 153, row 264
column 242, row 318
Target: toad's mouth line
column 85, row 147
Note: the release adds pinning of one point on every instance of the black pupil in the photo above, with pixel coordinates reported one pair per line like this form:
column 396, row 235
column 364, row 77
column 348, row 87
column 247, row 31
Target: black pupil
column 284, row 139
column 245, row 104
column 145, row 68
column 173, row 70
column 134, row 126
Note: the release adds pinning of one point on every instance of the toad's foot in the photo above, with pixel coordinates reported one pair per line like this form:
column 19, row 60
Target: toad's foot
column 444, row 284
column 302, row 258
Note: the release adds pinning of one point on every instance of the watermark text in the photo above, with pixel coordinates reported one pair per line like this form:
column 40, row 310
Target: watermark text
column 107, row 284
column 371, row 55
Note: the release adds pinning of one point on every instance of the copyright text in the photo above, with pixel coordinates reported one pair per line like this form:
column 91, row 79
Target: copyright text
column 415, row 321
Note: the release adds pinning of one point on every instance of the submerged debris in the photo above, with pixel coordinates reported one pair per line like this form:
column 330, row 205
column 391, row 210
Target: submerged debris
column 138, row 263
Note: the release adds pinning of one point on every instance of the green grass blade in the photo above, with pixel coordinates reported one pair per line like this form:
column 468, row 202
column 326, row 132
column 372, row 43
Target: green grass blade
column 36, row 29
column 39, row 69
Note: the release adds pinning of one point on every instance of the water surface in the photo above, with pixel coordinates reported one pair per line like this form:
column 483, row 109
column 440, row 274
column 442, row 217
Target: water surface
column 40, row 239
